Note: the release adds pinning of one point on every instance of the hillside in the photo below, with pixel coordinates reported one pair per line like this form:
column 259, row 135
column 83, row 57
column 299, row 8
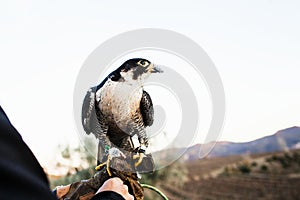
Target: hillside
column 280, row 141
column 266, row 168
column 257, row 176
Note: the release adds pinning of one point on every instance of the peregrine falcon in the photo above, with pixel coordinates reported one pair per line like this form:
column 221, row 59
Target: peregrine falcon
column 119, row 107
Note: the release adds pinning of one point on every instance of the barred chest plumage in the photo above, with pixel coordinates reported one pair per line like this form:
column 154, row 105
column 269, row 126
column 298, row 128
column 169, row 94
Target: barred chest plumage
column 119, row 102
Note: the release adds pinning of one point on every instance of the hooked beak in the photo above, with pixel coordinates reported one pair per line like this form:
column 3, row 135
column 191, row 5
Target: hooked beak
column 155, row 69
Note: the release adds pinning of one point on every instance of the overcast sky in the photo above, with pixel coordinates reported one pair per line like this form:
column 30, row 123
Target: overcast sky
column 255, row 46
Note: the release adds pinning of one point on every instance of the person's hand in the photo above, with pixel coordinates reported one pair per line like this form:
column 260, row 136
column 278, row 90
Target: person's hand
column 116, row 185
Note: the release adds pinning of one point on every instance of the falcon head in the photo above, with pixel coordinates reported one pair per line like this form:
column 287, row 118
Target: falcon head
column 134, row 70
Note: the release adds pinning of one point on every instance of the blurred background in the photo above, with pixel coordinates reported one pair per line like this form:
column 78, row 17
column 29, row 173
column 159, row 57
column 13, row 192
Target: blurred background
column 254, row 45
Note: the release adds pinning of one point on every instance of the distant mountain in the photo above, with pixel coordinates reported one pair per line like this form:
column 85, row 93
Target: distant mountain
column 280, row 141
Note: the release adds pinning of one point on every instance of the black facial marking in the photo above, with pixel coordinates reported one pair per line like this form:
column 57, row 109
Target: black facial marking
column 139, row 71
column 128, row 65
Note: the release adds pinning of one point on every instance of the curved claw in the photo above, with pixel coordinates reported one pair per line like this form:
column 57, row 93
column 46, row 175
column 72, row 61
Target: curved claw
column 107, row 163
column 100, row 166
column 107, row 166
column 140, row 156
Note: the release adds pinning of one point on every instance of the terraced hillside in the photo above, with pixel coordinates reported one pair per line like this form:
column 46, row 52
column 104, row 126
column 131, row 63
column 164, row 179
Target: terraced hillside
column 268, row 176
column 243, row 187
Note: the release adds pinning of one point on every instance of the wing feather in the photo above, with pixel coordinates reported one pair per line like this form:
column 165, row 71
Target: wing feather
column 146, row 108
column 88, row 113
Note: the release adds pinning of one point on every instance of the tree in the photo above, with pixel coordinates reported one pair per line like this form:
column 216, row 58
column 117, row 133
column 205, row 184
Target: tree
column 74, row 163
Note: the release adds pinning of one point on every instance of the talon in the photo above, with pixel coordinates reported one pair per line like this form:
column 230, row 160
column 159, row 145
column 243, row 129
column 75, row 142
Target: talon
column 140, row 156
column 107, row 163
column 100, row 166
column 107, row 166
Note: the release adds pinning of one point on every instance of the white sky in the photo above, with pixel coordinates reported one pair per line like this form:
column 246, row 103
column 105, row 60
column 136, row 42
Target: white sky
column 255, row 46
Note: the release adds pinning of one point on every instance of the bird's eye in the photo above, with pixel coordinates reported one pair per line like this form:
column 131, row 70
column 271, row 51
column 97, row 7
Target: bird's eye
column 143, row 63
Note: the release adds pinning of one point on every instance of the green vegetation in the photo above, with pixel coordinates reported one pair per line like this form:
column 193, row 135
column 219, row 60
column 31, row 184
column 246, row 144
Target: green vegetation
column 175, row 174
column 244, row 168
column 83, row 169
column 240, row 168
column 259, row 176
column 286, row 160
column 254, row 164
column 275, row 164
column 264, row 168
column 262, row 176
column 80, row 175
